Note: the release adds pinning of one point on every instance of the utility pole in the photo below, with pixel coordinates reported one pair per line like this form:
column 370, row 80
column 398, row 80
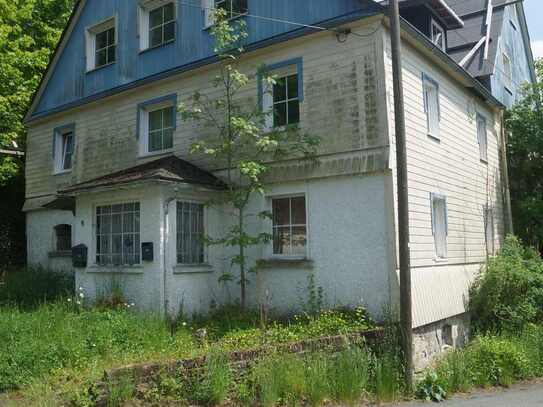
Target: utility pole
column 406, row 318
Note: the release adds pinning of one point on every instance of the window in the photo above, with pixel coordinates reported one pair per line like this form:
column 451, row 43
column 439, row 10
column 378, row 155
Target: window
column 190, row 233
column 157, row 23
column 431, row 105
column 489, row 229
column 507, row 73
column 63, row 149
column 438, row 35
column 63, row 238
column 289, row 226
column 157, row 124
column 118, row 234
column 439, row 224
column 232, row 8
column 482, row 137
column 101, row 45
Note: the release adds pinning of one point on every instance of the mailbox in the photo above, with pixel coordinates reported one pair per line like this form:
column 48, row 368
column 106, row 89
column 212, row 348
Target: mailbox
column 147, row 251
column 79, row 256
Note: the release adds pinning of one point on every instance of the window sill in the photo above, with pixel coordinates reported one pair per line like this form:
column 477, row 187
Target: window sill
column 100, row 67
column 483, row 161
column 136, row 269
column 149, row 49
column 434, row 138
column 286, row 262
column 60, row 254
column 62, row 172
column 193, row 269
column 156, row 153
column 440, row 260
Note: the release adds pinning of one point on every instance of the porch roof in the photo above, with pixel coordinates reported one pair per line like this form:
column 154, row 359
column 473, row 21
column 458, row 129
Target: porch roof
column 169, row 169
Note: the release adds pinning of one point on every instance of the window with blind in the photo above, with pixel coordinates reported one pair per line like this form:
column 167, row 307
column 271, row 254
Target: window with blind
column 190, row 233
column 289, row 226
column 118, row 234
column 431, row 105
column 489, row 229
column 439, row 224
column 482, row 137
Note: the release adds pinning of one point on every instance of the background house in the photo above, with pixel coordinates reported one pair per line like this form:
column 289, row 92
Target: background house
column 109, row 163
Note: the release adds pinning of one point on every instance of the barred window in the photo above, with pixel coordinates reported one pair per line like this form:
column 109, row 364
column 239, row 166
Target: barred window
column 289, row 226
column 190, row 233
column 118, row 234
column 63, row 235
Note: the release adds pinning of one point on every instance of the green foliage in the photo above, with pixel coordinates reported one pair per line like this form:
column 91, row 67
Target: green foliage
column 120, row 391
column 29, row 31
column 349, row 375
column 525, row 151
column 238, row 140
column 27, row 288
column 213, row 387
column 487, row 361
column 509, row 293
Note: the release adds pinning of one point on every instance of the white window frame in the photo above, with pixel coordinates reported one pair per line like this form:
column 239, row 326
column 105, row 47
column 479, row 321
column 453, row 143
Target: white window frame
column 209, row 7
column 95, row 233
column 490, row 236
column 482, row 137
column 205, row 229
column 59, row 149
column 90, row 41
column 144, row 10
column 143, row 119
column 434, row 24
column 268, row 102
column 432, row 107
column 270, row 249
column 439, row 256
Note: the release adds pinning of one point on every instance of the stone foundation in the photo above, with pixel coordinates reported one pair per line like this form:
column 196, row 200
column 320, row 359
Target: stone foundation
column 430, row 341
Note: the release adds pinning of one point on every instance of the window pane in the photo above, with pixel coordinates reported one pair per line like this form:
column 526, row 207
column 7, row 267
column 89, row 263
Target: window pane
column 117, row 223
column 169, row 12
column 280, row 114
column 156, row 37
column 169, row 31
column 111, row 54
column 155, row 141
column 299, row 240
column 117, row 245
column 281, row 240
column 281, row 212
column 298, row 211
column 167, row 141
column 101, row 40
column 292, row 84
column 293, row 112
column 279, row 90
column 168, row 116
column 128, row 222
column 155, row 17
column 111, row 36
column 240, row 6
column 101, row 58
column 155, row 120
column 116, row 208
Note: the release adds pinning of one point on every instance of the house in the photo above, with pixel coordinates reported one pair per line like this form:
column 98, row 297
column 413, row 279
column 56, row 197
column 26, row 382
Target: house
column 494, row 46
column 109, row 169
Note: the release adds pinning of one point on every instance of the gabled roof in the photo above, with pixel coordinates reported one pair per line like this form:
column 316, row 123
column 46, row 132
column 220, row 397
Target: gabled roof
column 461, row 41
column 169, row 169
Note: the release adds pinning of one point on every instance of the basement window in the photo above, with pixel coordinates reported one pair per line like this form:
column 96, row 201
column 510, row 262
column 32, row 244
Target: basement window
column 101, row 45
column 439, row 224
column 289, row 226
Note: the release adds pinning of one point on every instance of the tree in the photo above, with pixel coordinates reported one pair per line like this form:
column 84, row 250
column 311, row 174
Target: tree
column 525, row 157
column 29, row 32
column 240, row 141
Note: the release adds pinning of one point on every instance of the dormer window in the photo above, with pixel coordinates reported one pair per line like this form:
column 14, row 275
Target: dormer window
column 438, row 35
column 157, row 23
column 101, row 45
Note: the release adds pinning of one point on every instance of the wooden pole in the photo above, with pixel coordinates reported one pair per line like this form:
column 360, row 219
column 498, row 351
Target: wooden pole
column 406, row 318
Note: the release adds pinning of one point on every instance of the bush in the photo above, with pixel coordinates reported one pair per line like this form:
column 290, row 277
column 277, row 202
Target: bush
column 27, row 288
column 509, row 293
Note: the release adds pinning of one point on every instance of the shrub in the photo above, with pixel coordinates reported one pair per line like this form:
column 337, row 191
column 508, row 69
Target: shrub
column 509, row 293
column 27, row 288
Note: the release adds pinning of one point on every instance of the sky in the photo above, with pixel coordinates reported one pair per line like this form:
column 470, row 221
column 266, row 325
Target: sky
column 534, row 15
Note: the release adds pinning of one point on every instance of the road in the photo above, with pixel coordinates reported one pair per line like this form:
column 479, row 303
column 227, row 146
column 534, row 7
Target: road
column 521, row 395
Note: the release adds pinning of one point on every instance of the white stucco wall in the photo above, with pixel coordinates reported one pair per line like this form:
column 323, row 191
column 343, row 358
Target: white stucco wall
column 41, row 241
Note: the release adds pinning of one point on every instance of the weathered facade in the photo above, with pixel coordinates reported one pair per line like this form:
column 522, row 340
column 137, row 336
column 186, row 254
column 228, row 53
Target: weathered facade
column 342, row 227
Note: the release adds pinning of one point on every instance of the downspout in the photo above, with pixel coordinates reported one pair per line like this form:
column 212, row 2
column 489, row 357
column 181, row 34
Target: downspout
column 506, row 196
column 165, row 253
